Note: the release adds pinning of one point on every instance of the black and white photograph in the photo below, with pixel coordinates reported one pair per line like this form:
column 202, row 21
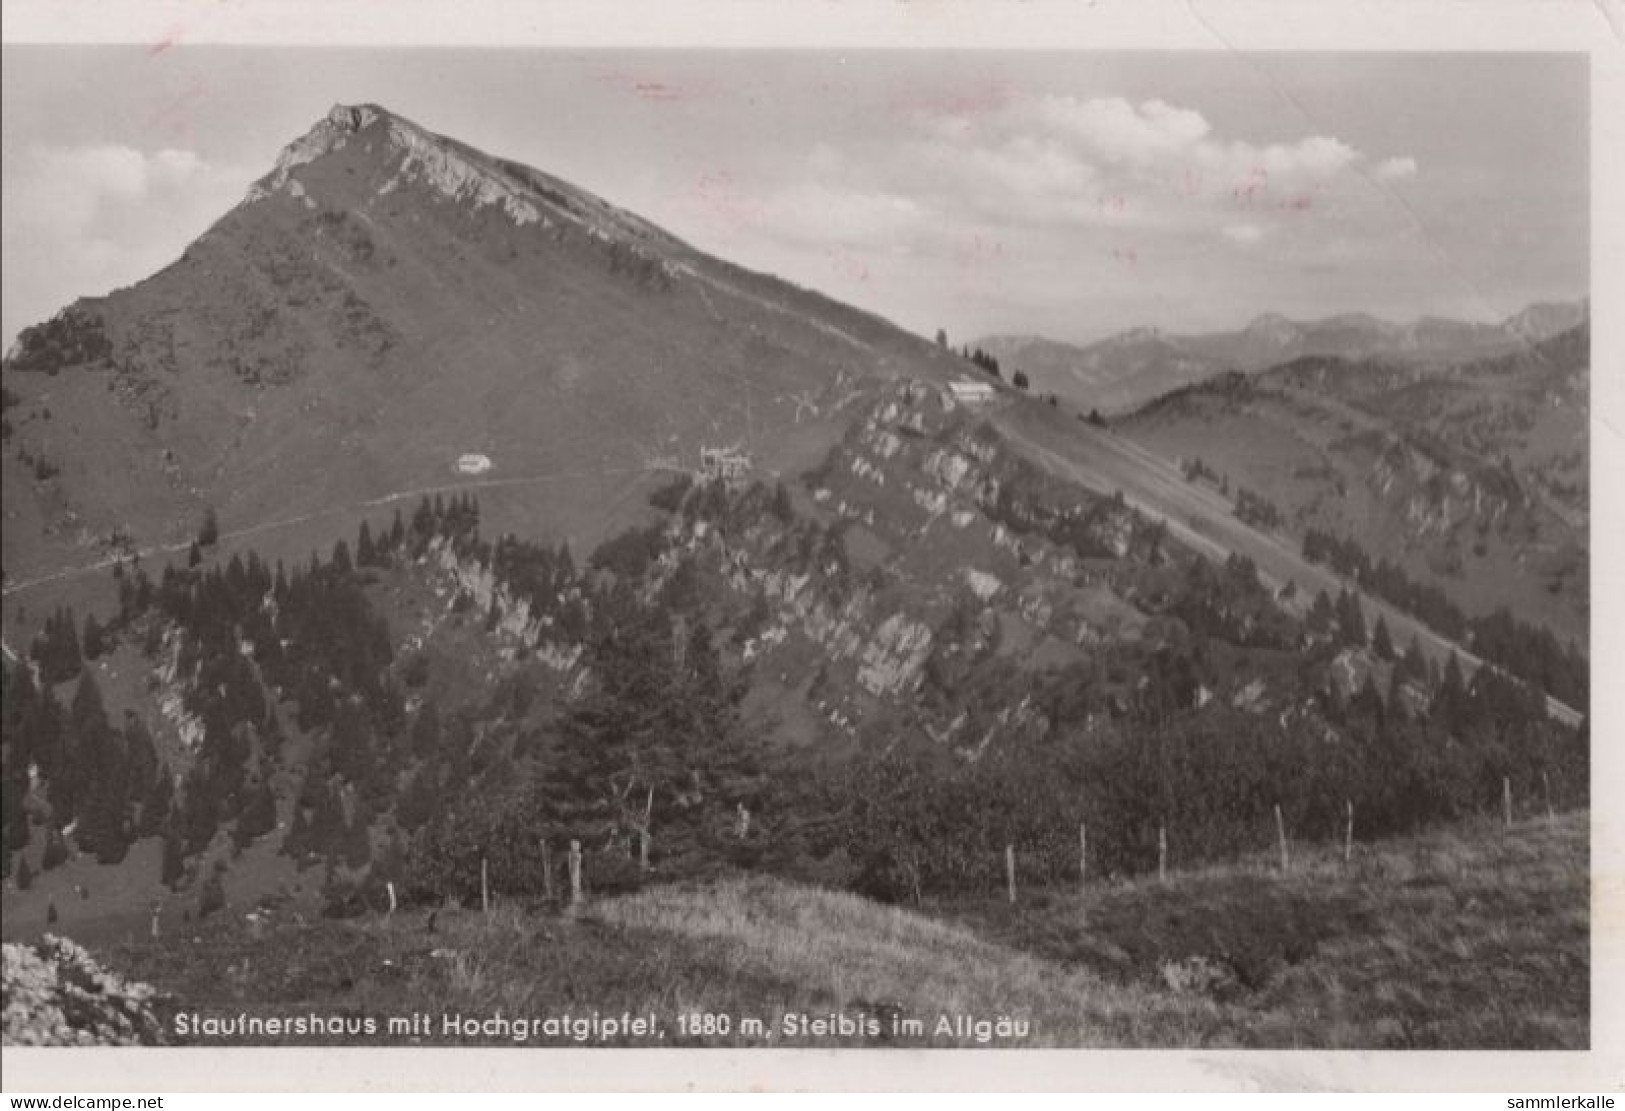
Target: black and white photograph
column 878, row 549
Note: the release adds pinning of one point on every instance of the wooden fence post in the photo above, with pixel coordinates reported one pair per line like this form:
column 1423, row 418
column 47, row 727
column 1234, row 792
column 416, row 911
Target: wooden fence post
column 1010, row 870
column 1083, row 870
column 390, row 887
column 1083, row 856
column 1280, row 837
column 1348, row 833
column 1506, row 800
column 1162, row 854
column 575, row 872
column 485, row 885
column 643, row 834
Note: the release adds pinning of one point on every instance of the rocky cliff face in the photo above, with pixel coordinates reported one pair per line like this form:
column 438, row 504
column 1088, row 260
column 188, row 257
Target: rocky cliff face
column 1436, row 500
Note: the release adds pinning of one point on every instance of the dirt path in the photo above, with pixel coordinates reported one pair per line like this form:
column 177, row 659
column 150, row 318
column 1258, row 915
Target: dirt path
column 68, row 573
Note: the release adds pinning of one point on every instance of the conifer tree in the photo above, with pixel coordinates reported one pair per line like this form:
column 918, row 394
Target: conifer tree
column 425, row 738
column 1382, row 646
column 258, row 815
column 1450, row 703
column 56, row 650
column 212, row 896
column 199, row 811
column 92, row 644
column 56, row 849
column 297, row 842
column 158, row 804
column 1415, row 664
column 420, row 799
column 1396, row 696
column 1321, row 614
column 1350, row 620
column 172, row 865
column 209, row 533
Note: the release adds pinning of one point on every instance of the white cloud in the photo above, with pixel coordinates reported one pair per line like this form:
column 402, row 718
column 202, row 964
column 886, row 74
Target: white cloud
column 90, row 218
column 79, row 181
column 1048, row 195
column 978, row 196
column 1114, row 130
column 1316, row 156
column 1394, row 169
column 1053, row 167
column 1141, row 142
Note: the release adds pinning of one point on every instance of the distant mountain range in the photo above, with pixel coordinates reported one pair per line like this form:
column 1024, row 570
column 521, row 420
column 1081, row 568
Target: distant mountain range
column 1130, row 368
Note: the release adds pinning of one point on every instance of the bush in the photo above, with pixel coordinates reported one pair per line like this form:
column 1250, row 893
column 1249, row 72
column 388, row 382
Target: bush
column 1211, row 780
column 670, row 496
column 504, row 828
column 55, row 994
column 631, row 553
column 212, row 897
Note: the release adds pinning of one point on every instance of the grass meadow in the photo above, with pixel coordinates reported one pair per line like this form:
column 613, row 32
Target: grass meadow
column 1473, row 937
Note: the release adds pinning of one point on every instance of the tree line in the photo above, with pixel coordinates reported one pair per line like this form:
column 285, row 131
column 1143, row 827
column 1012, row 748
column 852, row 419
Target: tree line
column 1528, row 651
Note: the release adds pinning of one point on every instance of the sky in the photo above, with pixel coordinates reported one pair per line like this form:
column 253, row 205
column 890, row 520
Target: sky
column 1066, row 194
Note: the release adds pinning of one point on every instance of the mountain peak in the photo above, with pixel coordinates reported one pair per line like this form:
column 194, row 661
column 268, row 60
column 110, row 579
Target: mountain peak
column 355, row 116
column 1145, row 333
column 1545, row 319
column 331, row 132
column 459, row 173
column 1273, row 327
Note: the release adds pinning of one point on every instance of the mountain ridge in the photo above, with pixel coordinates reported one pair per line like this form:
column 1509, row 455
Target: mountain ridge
column 1128, row 368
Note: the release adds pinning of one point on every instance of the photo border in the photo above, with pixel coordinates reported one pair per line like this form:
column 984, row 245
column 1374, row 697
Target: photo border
column 1329, row 25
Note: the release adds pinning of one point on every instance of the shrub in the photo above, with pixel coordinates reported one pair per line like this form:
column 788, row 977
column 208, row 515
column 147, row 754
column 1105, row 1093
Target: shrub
column 55, row 994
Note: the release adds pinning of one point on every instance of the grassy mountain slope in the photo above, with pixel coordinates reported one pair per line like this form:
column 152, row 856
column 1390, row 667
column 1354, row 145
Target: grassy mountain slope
column 1473, row 478
column 385, row 301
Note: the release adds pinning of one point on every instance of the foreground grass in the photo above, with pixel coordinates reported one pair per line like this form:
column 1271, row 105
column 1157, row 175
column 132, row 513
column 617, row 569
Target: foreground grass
column 748, row 947
column 1470, row 938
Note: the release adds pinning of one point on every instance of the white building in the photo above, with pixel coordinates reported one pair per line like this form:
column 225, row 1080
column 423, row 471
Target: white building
column 727, row 463
column 968, row 391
